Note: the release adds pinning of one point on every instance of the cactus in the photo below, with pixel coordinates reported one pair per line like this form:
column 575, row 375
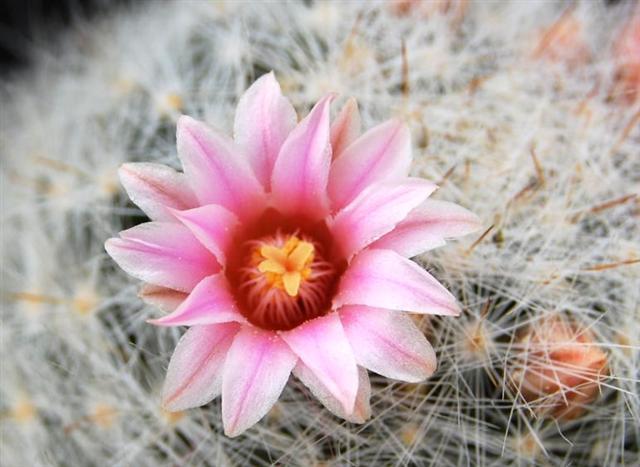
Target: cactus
column 540, row 141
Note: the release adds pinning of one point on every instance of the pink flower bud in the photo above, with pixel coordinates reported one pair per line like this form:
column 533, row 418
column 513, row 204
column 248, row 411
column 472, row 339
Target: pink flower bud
column 560, row 366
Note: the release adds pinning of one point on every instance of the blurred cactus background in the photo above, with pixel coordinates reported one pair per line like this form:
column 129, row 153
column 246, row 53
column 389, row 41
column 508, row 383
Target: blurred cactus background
column 525, row 112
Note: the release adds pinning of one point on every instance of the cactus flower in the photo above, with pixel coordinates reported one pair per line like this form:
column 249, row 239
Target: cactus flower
column 285, row 250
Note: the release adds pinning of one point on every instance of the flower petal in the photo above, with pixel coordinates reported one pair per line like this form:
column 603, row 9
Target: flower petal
column 217, row 173
column 162, row 253
column 345, row 128
column 264, row 119
column 299, row 179
column 162, row 297
column 156, row 187
column 210, row 302
column 383, row 278
column 194, row 376
column 427, row 226
column 388, row 342
column 382, row 153
column 376, row 211
column 213, row 225
column 256, row 370
column 362, row 408
column 322, row 345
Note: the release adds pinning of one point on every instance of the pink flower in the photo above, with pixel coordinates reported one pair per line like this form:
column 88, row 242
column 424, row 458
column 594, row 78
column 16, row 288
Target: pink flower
column 285, row 250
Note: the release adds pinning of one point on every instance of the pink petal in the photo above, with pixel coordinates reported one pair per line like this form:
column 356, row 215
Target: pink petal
column 264, row 119
column 299, row 179
column 382, row 153
column 162, row 253
column 383, row 278
column 376, row 211
column 322, row 345
column 162, row 297
column 255, row 373
column 362, row 408
column 345, row 128
column 216, row 171
column 194, row 376
column 388, row 342
column 156, row 187
column 210, row 302
column 427, row 226
column 213, row 225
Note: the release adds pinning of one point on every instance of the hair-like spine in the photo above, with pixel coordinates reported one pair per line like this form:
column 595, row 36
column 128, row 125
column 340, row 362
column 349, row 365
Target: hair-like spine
column 539, row 143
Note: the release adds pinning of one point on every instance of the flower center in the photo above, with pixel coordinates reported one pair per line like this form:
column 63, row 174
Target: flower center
column 288, row 266
column 284, row 280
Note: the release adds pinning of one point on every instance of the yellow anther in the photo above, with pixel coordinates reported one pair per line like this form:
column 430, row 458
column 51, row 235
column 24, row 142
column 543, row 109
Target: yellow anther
column 288, row 266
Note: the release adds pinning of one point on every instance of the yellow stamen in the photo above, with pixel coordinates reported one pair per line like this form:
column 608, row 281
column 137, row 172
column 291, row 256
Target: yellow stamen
column 288, row 266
